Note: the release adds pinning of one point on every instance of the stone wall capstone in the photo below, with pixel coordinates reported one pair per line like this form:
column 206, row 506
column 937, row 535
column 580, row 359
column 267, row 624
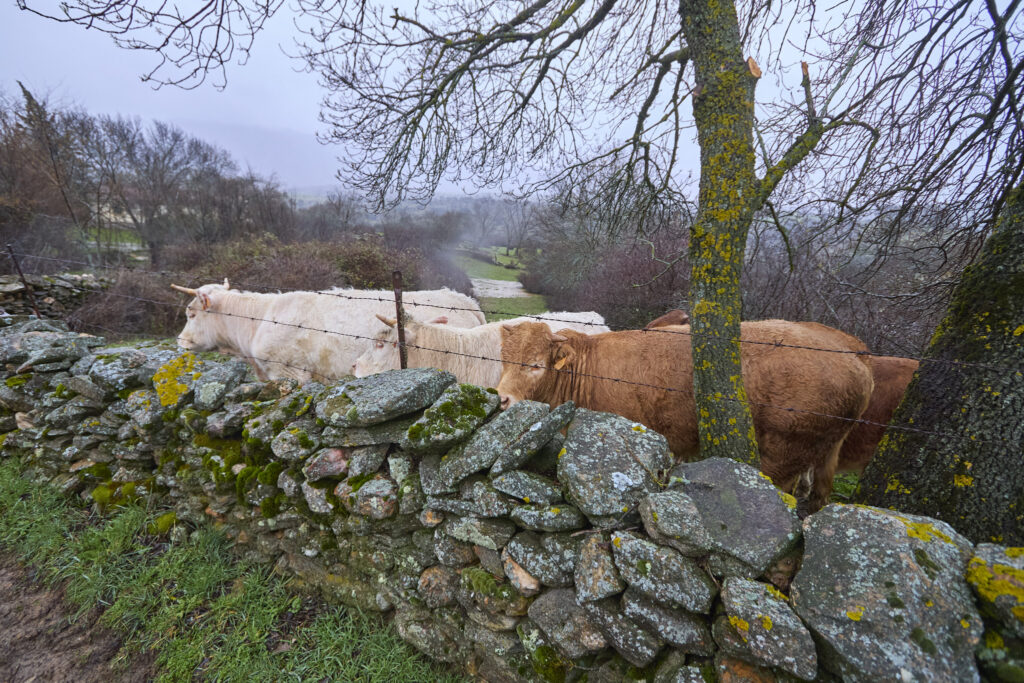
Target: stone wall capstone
column 498, row 545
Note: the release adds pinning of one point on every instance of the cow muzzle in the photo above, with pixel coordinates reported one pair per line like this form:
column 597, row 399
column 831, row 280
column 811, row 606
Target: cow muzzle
column 507, row 400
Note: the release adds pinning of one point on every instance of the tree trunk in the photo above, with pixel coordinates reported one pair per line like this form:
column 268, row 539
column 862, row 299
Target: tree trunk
column 974, row 479
column 723, row 108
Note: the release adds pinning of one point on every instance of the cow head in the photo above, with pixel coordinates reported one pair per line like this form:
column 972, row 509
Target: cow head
column 532, row 356
column 202, row 324
column 383, row 353
column 676, row 316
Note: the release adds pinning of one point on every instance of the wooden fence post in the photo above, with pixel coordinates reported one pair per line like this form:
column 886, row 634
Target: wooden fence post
column 403, row 354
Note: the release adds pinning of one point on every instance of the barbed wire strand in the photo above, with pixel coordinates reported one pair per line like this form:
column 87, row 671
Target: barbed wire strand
column 619, row 380
column 689, row 333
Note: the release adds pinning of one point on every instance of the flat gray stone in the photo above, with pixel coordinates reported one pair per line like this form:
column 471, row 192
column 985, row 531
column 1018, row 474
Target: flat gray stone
column 551, row 567
column 296, row 441
column 450, row 420
column 996, row 575
column 372, row 435
column 721, row 507
column 662, row 573
column 490, row 441
column 565, row 623
column 533, row 438
column 772, row 634
column 884, row 595
column 489, row 533
column 327, row 462
column 366, row 460
column 529, row 487
column 635, row 643
column 608, row 466
column 562, row 517
column 382, row 397
column 596, row 575
column 680, row 629
column 216, row 381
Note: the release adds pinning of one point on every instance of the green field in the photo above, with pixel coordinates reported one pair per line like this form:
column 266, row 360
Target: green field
column 186, row 599
column 476, row 268
column 503, row 309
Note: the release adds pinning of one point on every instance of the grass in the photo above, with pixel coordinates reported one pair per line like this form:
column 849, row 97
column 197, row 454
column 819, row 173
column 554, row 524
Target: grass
column 843, row 486
column 474, row 267
column 532, row 304
column 202, row 612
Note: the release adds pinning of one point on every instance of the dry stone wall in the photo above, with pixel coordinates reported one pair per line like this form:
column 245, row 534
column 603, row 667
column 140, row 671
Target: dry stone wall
column 55, row 295
column 500, row 545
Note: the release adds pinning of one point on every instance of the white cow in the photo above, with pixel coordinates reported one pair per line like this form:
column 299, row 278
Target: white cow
column 466, row 353
column 304, row 335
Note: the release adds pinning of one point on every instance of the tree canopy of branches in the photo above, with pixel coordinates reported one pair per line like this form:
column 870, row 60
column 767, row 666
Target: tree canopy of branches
column 106, row 176
column 878, row 112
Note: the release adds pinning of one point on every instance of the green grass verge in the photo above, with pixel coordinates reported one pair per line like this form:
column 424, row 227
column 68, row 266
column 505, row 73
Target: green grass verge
column 204, row 614
column 843, row 486
column 476, row 268
column 531, row 304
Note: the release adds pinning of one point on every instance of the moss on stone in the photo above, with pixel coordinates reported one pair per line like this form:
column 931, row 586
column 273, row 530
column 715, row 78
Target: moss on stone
column 921, row 639
column 269, row 474
column 162, row 524
column 271, row 507
column 18, row 380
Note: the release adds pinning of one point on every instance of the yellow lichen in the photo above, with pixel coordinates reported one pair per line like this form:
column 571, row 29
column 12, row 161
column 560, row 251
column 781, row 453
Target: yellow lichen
column 994, row 641
column 923, row 531
column 856, row 613
column 775, row 592
column 741, row 626
column 1015, row 552
column 766, row 622
column 167, row 380
column 962, row 480
column 997, row 581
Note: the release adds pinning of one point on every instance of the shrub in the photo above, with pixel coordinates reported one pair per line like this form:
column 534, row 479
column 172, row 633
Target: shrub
column 142, row 303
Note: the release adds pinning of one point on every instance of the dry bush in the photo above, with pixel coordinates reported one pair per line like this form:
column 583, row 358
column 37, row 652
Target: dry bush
column 142, row 303
column 137, row 304
column 621, row 282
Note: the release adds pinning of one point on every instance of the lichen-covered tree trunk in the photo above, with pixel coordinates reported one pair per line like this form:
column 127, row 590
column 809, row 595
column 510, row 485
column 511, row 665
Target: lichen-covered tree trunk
column 723, row 108
column 973, row 389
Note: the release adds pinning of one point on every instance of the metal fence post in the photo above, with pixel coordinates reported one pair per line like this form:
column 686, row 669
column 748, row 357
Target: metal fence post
column 31, row 293
column 403, row 354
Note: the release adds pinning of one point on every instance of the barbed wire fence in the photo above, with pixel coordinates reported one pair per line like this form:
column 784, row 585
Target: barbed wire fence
column 382, row 296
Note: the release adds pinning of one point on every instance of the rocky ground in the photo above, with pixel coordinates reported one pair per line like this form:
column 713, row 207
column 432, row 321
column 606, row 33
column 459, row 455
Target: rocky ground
column 40, row 641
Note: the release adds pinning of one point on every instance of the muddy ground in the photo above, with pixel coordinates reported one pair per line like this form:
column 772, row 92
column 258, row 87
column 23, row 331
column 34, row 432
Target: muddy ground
column 39, row 643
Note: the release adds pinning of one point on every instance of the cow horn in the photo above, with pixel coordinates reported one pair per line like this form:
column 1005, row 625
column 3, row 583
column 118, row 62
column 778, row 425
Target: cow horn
column 227, row 285
column 557, row 337
column 185, row 290
column 390, row 322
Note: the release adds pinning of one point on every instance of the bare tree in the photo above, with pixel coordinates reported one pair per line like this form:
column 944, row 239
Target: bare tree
column 911, row 104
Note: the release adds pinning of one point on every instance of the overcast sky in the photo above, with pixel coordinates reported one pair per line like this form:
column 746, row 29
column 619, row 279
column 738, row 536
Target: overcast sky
column 266, row 117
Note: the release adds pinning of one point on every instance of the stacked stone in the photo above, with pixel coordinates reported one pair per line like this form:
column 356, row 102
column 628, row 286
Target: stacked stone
column 55, row 295
column 498, row 544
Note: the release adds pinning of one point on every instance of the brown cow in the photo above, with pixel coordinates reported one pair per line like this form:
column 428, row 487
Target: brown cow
column 892, row 375
column 555, row 368
column 676, row 316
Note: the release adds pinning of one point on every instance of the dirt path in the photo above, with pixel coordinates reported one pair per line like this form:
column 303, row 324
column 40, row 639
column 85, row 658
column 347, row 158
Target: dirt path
column 503, row 289
column 38, row 643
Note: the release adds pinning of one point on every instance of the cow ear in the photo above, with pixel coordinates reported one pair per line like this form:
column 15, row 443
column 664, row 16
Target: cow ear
column 563, row 354
column 204, row 299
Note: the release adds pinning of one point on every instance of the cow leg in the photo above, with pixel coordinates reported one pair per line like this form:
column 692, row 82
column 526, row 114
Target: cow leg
column 824, row 471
